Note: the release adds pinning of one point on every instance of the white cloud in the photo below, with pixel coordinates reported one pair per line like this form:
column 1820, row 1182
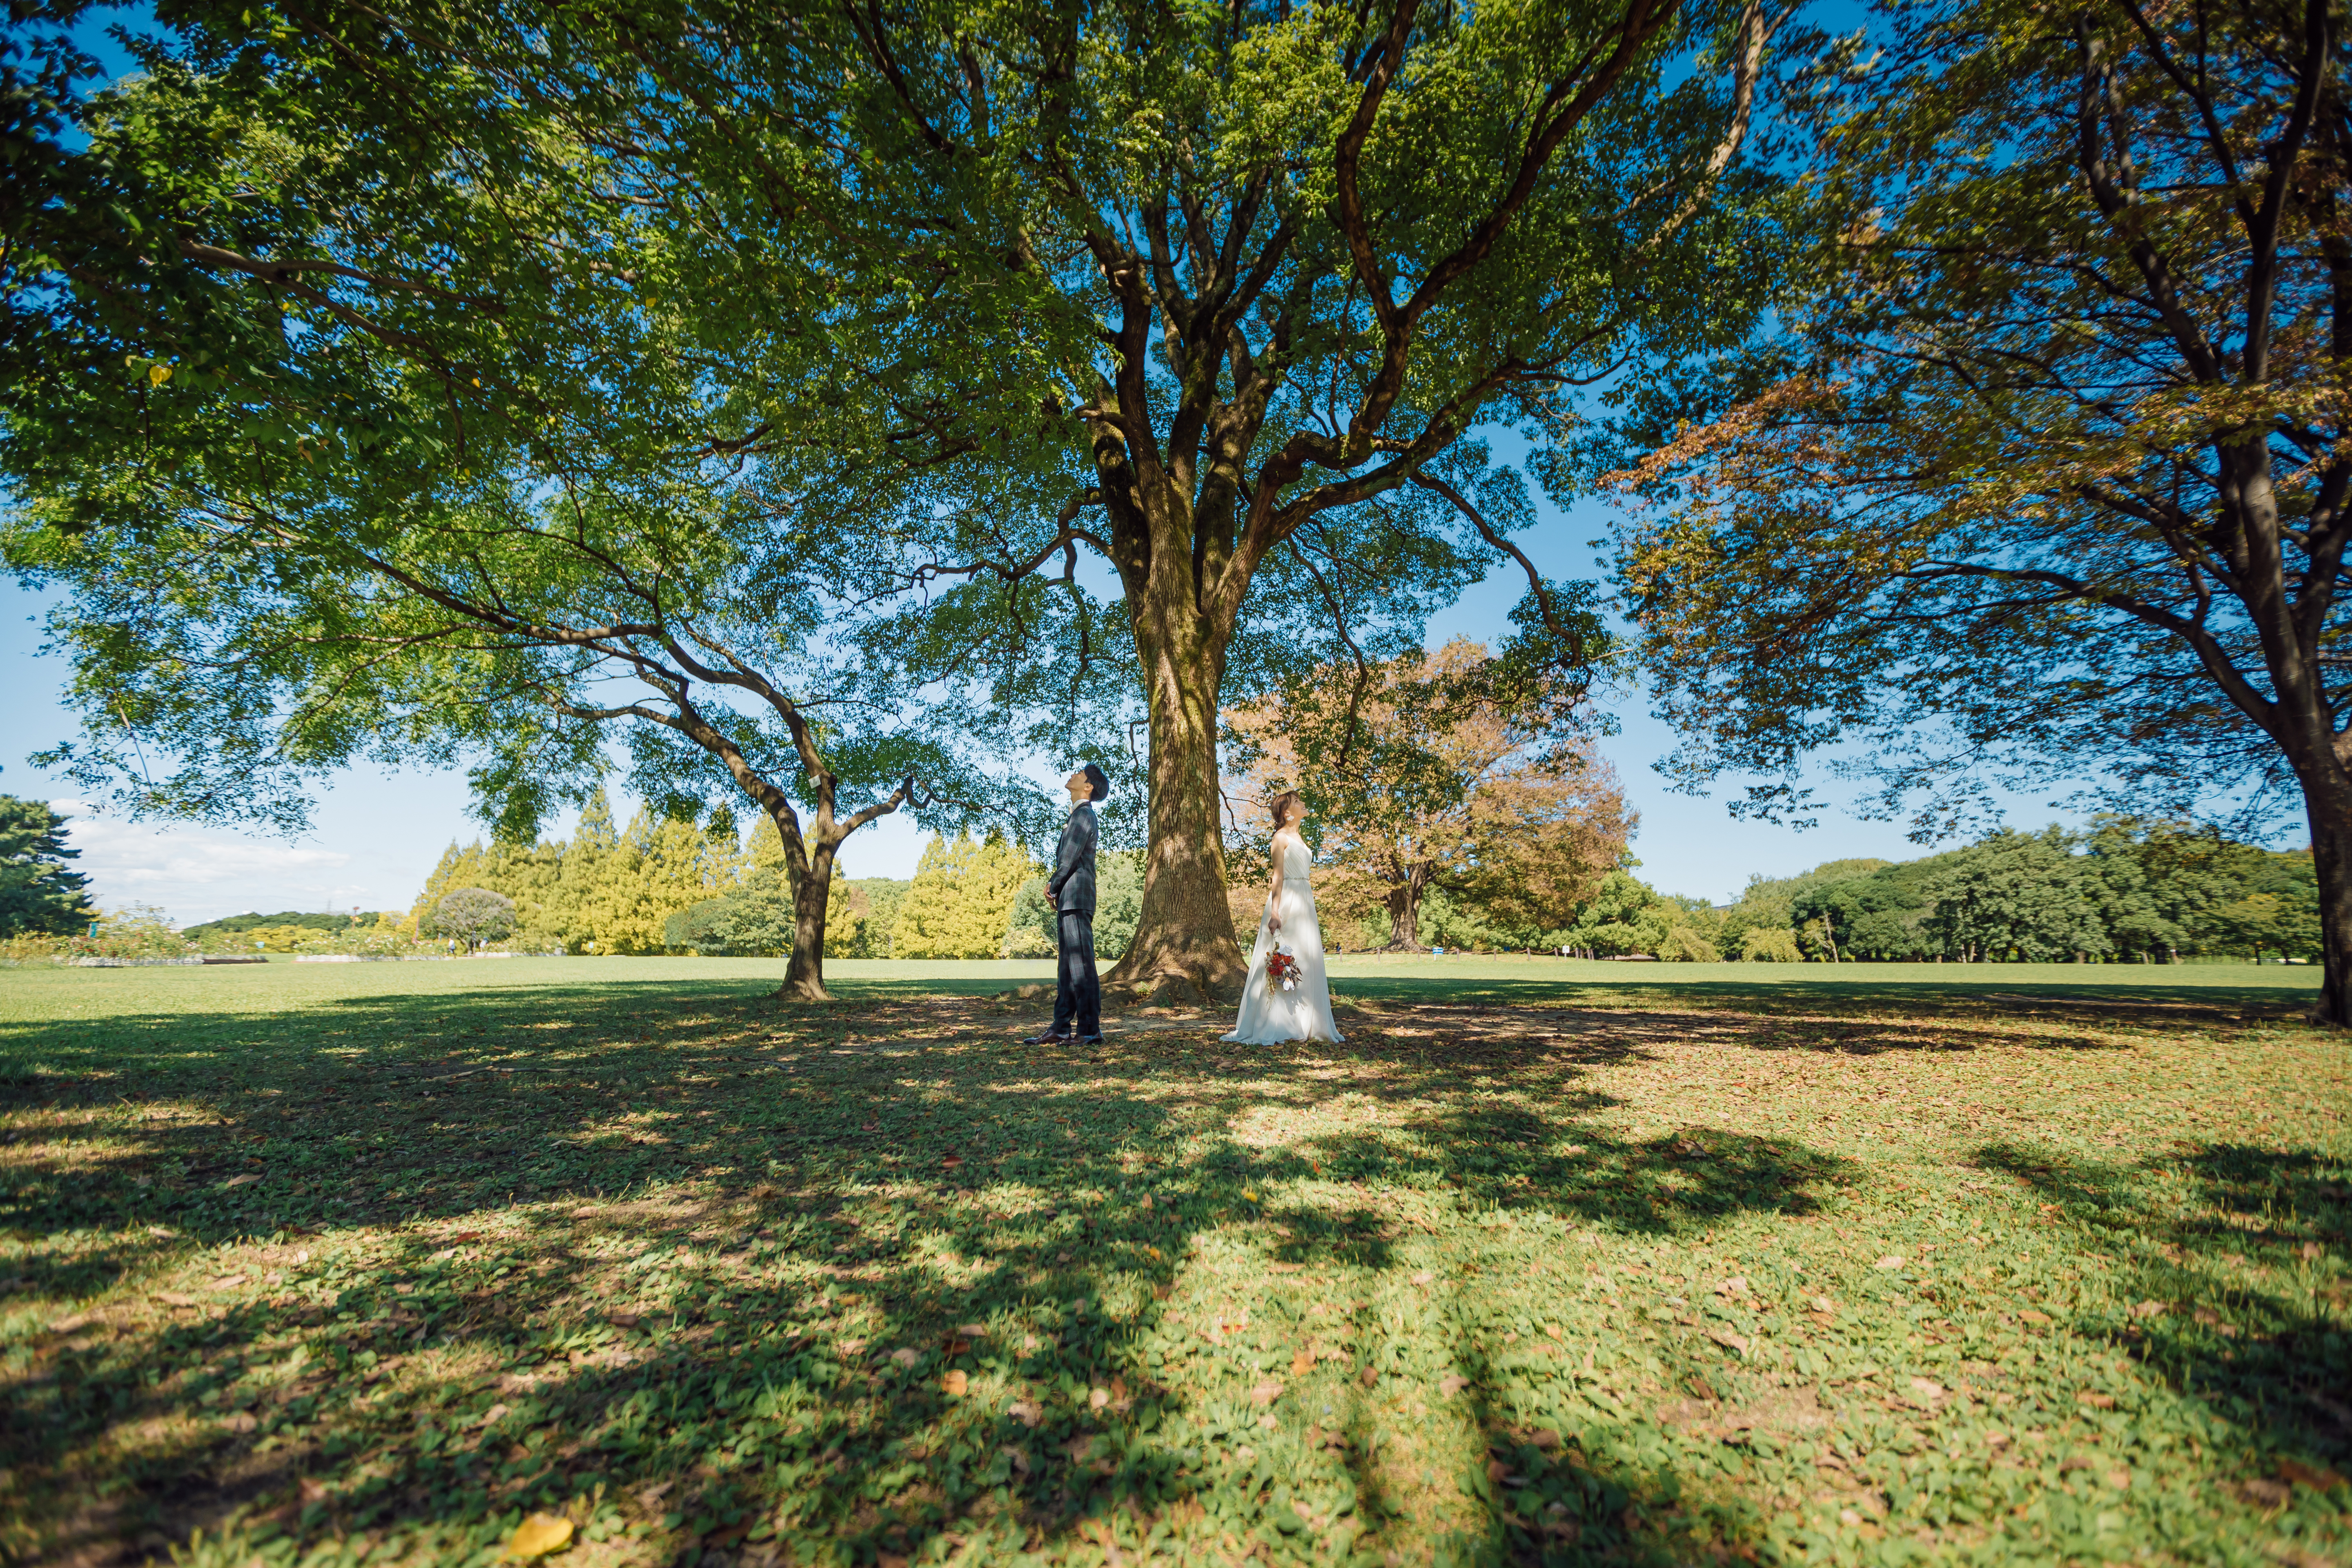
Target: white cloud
column 200, row 874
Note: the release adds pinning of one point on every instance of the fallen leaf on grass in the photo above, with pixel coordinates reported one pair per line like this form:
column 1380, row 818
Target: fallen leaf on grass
column 955, row 1383
column 904, row 1356
column 175, row 1299
column 1450, row 1384
column 2097, row 1401
column 1423, row 1277
column 1728, row 1339
column 2029, row 1316
column 1265, row 1393
column 622, row 1319
column 2318, row 1478
column 1889, row 1261
column 1028, row 1412
column 239, row 1181
column 539, row 1535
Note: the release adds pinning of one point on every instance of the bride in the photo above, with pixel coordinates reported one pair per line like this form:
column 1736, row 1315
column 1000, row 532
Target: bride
column 1271, row 1016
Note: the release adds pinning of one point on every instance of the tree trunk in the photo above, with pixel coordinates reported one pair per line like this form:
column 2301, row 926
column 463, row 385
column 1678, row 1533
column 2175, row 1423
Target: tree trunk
column 804, row 973
column 2328, row 803
column 1185, row 932
column 1405, row 917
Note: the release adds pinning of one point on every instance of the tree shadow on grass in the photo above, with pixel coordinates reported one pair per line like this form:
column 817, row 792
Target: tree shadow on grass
column 708, row 1273
column 2220, row 1295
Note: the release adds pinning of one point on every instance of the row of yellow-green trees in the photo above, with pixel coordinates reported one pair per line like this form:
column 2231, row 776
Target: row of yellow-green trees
column 667, row 885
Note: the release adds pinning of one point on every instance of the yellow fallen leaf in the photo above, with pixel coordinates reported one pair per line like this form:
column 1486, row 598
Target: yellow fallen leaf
column 539, row 1535
column 955, row 1382
column 1302, row 1364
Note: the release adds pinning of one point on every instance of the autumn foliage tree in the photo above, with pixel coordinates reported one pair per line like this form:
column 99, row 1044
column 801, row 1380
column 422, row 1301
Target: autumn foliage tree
column 1448, row 770
column 2049, row 474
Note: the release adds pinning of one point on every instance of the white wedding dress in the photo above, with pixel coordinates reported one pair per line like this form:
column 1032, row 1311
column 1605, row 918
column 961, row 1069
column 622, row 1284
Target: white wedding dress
column 1271, row 1016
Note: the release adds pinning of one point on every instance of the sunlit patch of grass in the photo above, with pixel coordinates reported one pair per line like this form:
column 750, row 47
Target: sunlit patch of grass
column 372, row 1265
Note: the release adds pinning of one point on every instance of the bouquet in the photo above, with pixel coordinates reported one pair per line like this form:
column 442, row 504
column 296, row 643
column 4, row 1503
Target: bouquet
column 1282, row 968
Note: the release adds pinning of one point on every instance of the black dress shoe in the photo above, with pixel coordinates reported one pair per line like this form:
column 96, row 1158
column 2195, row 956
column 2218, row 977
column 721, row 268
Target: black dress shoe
column 1047, row 1039
column 1087, row 1040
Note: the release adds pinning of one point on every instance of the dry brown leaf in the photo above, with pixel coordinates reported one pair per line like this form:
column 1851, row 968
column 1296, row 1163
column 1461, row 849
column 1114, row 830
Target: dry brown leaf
column 2097, row 1401
column 1302, row 1364
column 2318, row 1478
column 955, row 1382
column 1453, row 1383
column 1265, row 1393
column 239, row 1181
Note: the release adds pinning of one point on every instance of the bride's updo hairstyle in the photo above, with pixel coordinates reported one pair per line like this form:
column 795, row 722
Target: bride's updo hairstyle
column 1281, row 807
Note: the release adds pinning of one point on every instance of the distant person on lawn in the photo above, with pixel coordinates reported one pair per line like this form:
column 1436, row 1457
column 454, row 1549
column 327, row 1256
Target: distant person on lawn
column 1070, row 893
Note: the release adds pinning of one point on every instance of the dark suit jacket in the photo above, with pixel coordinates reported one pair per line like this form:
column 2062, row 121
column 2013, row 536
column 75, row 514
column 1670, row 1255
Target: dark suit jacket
column 1073, row 883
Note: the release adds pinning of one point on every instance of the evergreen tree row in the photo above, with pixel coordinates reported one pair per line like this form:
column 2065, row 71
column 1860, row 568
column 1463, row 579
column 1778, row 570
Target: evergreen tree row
column 663, row 885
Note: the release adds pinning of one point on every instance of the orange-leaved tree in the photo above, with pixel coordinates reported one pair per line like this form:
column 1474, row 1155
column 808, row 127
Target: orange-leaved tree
column 1458, row 771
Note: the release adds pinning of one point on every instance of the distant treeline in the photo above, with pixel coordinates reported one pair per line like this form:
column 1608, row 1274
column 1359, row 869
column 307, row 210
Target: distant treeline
column 236, row 925
column 2123, row 891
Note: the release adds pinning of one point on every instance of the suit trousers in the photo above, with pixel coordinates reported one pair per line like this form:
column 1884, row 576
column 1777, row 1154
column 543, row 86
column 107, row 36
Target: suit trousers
column 1077, row 994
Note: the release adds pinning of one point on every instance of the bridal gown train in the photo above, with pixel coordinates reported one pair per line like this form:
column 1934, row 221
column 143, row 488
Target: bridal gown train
column 1271, row 1016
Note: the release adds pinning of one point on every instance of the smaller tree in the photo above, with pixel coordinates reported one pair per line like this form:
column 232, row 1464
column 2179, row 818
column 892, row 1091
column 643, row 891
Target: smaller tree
column 960, row 904
column 39, row 894
column 474, row 916
column 1457, row 771
column 1625, row 915
column 2017, row 896
column 1770, row 944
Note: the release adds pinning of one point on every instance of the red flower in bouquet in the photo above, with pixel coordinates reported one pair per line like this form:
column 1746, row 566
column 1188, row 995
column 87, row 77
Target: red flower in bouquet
column 1282, row 970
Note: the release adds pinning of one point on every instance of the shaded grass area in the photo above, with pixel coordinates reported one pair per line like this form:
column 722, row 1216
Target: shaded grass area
column 345, row 1263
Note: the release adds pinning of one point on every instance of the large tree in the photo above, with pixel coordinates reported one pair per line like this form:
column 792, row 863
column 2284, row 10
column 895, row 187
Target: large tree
column 2049, row 474
column 359, row 411
column 1310, row 249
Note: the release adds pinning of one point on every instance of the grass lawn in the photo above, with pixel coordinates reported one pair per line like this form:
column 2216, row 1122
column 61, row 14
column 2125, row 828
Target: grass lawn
column 1549, row 1262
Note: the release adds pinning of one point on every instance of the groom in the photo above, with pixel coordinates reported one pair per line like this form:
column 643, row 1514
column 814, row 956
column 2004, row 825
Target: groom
column 1070, row 892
